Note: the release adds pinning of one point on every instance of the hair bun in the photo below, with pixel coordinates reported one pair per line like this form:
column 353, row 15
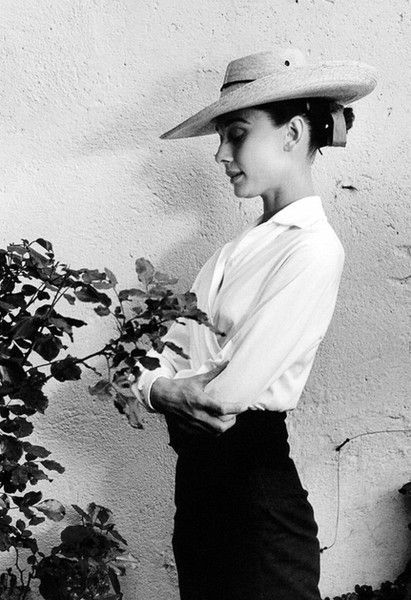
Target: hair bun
column 349, row 117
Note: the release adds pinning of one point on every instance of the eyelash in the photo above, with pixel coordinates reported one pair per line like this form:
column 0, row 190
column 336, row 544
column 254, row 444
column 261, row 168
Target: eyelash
column 234, row 136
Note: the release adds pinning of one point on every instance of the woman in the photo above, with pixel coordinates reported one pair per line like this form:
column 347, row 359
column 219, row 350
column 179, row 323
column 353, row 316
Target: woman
column 244, row 528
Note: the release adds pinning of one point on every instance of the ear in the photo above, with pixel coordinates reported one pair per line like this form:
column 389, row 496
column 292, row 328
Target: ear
column 294, row 131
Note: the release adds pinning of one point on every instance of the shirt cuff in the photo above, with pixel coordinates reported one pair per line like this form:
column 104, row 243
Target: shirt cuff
column 142, row 387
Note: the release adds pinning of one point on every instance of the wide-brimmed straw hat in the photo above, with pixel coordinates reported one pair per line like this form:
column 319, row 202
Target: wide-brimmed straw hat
column 279, row 74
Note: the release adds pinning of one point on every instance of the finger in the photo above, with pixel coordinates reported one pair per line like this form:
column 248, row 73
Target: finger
column 218, row 409
column 212, row 423
column 210, row 375
column 233, row 408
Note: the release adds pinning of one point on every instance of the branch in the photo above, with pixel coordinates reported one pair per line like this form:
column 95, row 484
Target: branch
column 21, row 571
column 338, row 449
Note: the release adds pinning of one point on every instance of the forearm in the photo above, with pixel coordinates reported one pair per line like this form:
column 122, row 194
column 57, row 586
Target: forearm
column 185, row 398
column 162, row 397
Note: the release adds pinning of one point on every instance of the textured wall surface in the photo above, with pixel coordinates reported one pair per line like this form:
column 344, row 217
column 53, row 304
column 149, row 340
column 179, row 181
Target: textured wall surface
column 88, row 88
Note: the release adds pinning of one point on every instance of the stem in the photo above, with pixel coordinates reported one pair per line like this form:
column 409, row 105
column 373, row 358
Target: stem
column 21, row 571
column 338, row 450
column 108, row 369
column 53, row 303
column 27, row 587
column 118, row 298
column 100, row 352
column 34, row 296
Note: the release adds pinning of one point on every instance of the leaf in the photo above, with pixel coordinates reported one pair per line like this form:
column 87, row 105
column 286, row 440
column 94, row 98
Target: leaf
column 129, row 559
column 28, row 499
column 43, row 295
column 46, row 245
column 26, row 534
column 35, row 521
column 20, row 524
column 19, row 427
column 14, row 371
column 101, row 389
column 113, row 574
column 48, row 347
column 38, row 259
column 81, row 512
column 66, row 369
column 53, row 509
column 116, row 534
column 28, row 290
column 164, row 279
column 132, row 292
column 35, row 473
column 144, row 270
column 99, row 513
column 4, row 502
column 11, row 448
column 17, row 249
column 176, row 349
column 92, row 275
column 53, row 465
column 110, row 276
column 70, row 299
column 5, row 306
column 33, row 397
column 87, row 293
column 26, row 328
column 66, row 324
column 102, row 311
column 36, row 451
column 149, row 362
column 20, row 476
column 129, row 407
column 119, row 356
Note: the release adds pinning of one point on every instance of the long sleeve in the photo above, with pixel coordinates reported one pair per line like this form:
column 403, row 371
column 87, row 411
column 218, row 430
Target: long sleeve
column 288, row 321
column 272, row 291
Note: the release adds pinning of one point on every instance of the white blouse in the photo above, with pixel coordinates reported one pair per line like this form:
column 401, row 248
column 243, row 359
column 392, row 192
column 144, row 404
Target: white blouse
column 272, row 290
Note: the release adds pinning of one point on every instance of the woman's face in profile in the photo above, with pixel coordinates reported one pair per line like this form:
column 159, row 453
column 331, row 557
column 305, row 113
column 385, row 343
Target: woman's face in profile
column 252, row 152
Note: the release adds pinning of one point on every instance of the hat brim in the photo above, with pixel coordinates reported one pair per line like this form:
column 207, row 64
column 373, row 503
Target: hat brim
column 341, row 81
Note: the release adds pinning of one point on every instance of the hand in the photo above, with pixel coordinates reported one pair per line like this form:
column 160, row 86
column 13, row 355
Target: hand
column 186, row 398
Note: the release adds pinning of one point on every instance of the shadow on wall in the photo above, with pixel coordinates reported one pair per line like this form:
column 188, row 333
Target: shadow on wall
column 184, row 184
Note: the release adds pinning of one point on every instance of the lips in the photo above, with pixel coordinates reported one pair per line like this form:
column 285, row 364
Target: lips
column 234, row 176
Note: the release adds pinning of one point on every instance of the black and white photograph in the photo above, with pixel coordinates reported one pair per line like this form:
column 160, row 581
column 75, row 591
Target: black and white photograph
column 204, row 300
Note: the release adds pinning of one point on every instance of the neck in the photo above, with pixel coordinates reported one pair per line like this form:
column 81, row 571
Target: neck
column 294, row 188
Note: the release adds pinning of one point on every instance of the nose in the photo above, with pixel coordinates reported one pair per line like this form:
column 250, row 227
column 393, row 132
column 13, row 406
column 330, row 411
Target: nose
column 223, row 153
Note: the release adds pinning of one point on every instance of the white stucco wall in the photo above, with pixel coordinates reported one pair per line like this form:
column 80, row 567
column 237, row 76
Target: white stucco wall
column 87, row 87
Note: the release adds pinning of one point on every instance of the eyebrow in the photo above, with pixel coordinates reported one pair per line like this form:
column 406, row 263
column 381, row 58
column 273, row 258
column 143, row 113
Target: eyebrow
column 231, row 120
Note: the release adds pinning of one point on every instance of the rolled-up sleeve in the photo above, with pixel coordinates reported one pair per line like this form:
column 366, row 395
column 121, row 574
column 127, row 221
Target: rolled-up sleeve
column 288, row 318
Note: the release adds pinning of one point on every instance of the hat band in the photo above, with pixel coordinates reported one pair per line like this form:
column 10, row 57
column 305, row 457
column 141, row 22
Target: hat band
column 239, row 81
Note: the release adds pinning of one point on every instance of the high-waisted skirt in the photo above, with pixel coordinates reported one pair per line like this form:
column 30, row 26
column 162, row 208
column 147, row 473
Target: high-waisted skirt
column 243, row 527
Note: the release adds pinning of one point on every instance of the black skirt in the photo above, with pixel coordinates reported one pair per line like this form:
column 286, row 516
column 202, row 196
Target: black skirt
column 243, row 528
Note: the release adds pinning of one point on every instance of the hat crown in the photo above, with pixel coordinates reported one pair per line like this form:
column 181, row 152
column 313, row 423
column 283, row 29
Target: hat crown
column 255, row 66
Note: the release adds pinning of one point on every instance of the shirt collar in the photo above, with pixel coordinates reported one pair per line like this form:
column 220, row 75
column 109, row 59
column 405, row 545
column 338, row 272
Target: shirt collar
column 300, row 213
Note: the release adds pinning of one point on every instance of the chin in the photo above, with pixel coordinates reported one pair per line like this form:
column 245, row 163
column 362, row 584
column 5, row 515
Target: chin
column 244, row 194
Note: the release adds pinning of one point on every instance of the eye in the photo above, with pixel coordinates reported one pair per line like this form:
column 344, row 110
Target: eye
column 236, row 134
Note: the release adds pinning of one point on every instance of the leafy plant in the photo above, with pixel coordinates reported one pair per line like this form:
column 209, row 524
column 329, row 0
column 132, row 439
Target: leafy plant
column 87, row 561
column 33, row 338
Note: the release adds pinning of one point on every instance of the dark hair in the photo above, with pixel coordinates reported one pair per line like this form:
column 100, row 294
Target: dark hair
column 317, row 112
